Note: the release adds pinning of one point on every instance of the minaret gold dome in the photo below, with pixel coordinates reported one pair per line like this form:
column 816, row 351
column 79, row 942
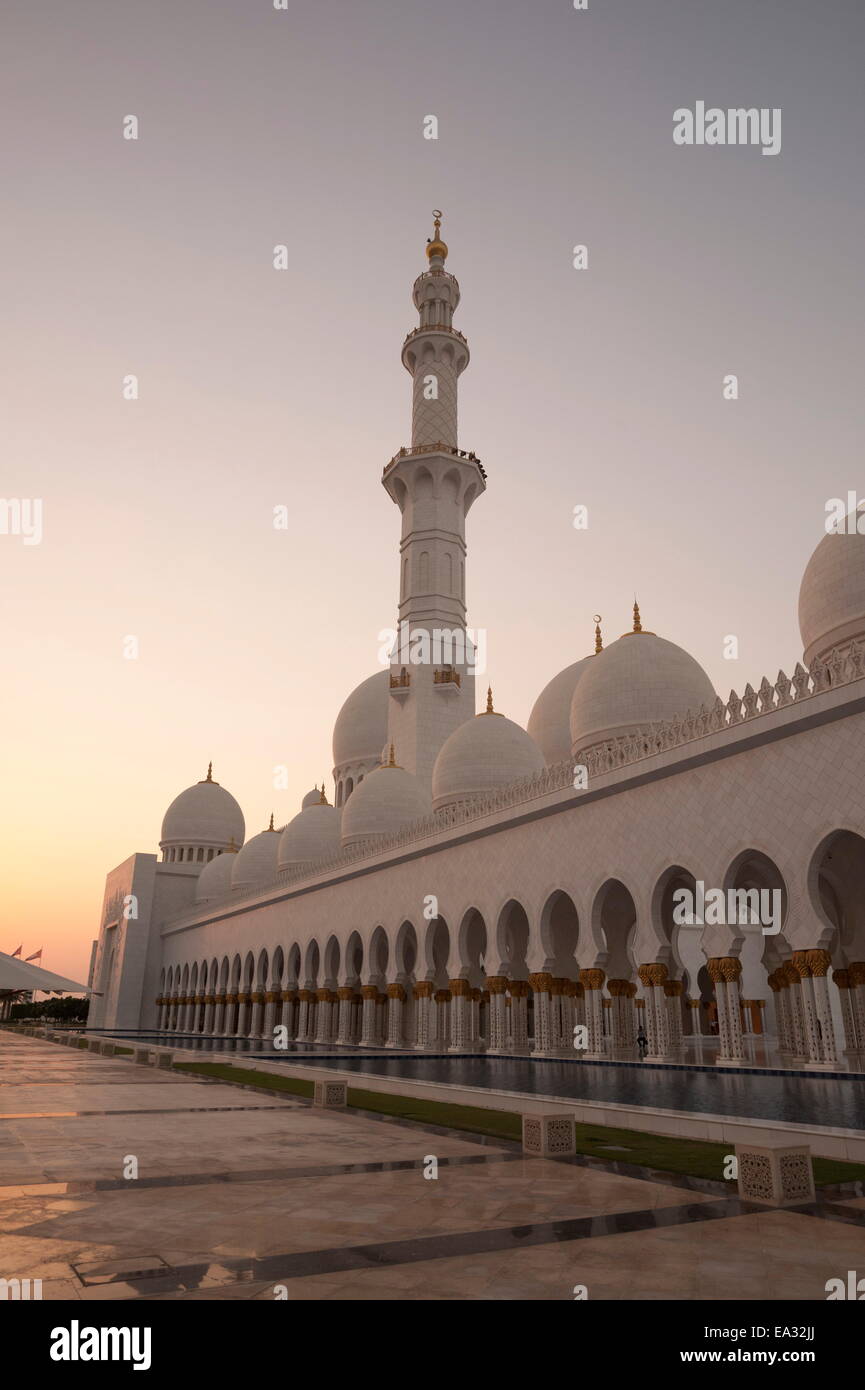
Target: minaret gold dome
column 435, row 246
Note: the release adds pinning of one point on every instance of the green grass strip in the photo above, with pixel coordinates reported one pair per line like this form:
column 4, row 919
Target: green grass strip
column 694, row 1158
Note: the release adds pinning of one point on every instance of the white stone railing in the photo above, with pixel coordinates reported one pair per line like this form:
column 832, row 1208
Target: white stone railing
column 843, row 667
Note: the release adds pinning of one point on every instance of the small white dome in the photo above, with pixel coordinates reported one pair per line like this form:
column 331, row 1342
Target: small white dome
column 482, row 754
column 387, row 799
column 311, row 799
column 832, row 594
column 550, row 720
column 638, row 680
column 257, row 861
column 205, row 814
column 313, row 834
column 214, row 881
column 361, row 725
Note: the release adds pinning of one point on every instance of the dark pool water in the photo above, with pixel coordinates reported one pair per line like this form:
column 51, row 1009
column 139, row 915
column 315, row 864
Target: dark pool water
column 817, row 1100
column 803, row 1100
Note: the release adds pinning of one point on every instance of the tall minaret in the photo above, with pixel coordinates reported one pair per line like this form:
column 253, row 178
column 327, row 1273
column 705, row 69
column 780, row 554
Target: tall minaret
column 432, row 688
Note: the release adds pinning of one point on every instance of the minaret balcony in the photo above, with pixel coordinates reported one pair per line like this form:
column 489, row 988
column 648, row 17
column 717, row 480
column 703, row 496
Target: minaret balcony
column 401, row 684
column 427, row 275
column 437, row 448
column 447, row 679
column 435, row 328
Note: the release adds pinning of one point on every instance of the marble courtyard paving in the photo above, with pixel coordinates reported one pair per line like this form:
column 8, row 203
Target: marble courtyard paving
column 238, row 1192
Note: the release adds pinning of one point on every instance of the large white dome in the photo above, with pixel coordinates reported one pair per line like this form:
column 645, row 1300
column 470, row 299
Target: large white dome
column 256, row 862
column 638, row 680
column 214, row 881
column 206, row 815
column 361, row 725
column 480, row 755
column 550, row 720
column 387, row 799
column 832, row 594
column 313, row 834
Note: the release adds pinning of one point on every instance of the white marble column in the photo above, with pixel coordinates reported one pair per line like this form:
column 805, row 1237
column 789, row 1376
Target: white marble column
column 323, row 1012
column 653, row 977
column 673, row 990
column 395, row 1008
column 369, row 993
column 808, row 1003
column 619, row 991
column 219, row 1012
column 569, row 1017
column 856, row 973
column 841, row 980
column 442, row 1000
column 271, row 1009
column 422, row 1014
column 244, row 1013
column 256, row 1013
column 819, row 962
column 345, row 995
column 593, row 984
column 288, row 1012
column 497, row 986
column 518, row 990
column 541, row 984
column 304, row 998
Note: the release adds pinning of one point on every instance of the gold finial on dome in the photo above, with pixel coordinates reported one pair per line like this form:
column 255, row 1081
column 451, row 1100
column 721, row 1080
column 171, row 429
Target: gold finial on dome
column 599, row 642
column 489, row 709
column 322, row 800
column 391, row 762
column 638, row 624
column 435, row 246
column 209, row 777
column 270, row 827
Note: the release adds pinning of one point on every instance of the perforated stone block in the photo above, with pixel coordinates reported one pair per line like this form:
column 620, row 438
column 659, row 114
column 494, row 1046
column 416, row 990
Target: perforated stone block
column 779, row 1175
column 141, row 1056
column 549, row 1133
column 330, row 1094
column 107, row 1049
column 164, row 1059
column 93, row 1044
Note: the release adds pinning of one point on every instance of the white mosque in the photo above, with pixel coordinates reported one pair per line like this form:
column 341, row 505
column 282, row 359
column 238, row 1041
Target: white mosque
column 472, row 886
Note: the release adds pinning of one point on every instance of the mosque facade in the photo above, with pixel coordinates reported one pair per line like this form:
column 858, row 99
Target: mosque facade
column 646, row 857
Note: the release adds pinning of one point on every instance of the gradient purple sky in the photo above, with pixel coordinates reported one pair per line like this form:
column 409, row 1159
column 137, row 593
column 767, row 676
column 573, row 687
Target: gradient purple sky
column 603, row 387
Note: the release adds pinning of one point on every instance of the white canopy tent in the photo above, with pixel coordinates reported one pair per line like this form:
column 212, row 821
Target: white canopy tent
column 18, row 974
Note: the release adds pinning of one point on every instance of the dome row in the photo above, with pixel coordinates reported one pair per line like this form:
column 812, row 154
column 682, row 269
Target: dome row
column 637, row 680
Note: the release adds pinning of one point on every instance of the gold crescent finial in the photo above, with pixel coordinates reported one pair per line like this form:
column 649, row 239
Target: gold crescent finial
column 270, row 827
column 490, row 709
column 392, row 759
column 322, row 800
column 599, row 644
column 209, row 777
column 638, row 626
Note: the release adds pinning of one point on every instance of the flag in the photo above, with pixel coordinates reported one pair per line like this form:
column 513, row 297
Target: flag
column 20, row 949
column 37, row 955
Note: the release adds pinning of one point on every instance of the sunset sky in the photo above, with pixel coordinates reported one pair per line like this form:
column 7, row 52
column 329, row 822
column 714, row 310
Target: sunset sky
column 258, row 387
